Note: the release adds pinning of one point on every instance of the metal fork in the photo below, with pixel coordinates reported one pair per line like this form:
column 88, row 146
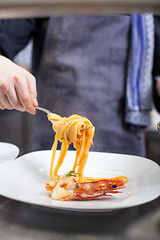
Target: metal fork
column 46, row 111
column 52, row 121
column 43, row 109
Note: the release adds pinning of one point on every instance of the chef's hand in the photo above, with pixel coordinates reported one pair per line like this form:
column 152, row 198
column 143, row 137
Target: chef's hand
column 17, row 87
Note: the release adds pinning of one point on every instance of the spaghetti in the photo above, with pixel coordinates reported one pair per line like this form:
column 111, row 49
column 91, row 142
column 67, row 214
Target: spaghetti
column 74, row 129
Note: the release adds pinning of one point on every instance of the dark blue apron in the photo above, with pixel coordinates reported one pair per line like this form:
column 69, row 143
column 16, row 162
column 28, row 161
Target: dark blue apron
column 83, row 71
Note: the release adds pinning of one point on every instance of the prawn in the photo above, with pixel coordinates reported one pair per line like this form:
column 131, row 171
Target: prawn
column 67, row 188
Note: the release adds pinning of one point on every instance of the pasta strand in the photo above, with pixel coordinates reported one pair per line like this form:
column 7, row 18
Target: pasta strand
column 54, row 147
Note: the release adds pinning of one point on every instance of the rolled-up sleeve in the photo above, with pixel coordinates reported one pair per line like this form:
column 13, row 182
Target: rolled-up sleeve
column 15, row 34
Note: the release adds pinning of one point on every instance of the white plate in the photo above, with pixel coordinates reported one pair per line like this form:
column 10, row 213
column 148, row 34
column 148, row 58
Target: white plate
column 8, row 152
column 24, row 178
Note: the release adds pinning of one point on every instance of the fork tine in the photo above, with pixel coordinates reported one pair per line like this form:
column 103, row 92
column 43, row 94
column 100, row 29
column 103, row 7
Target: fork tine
column 86, row 128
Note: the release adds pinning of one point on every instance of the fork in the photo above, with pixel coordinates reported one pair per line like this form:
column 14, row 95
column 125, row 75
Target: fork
column 52, row 121
column 43, row 109
column 47, row 112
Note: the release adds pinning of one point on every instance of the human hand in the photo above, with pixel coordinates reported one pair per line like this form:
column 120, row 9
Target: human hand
column 17, row 87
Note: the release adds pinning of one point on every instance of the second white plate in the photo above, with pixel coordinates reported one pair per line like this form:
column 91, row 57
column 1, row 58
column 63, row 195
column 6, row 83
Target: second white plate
column 8, row 151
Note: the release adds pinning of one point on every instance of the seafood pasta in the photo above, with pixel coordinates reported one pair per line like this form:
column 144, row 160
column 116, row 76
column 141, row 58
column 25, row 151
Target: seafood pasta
column 73, row 185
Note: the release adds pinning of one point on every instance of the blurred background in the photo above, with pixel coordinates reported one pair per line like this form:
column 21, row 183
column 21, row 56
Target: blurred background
column 16, row 127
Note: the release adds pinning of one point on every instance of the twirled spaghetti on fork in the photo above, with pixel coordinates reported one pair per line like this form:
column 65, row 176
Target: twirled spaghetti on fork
column 77, row 130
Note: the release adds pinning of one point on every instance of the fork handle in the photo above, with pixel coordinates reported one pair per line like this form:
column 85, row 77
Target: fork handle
column 43, row 109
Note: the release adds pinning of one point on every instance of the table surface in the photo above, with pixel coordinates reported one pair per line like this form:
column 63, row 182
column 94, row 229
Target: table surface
column 19, row 221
